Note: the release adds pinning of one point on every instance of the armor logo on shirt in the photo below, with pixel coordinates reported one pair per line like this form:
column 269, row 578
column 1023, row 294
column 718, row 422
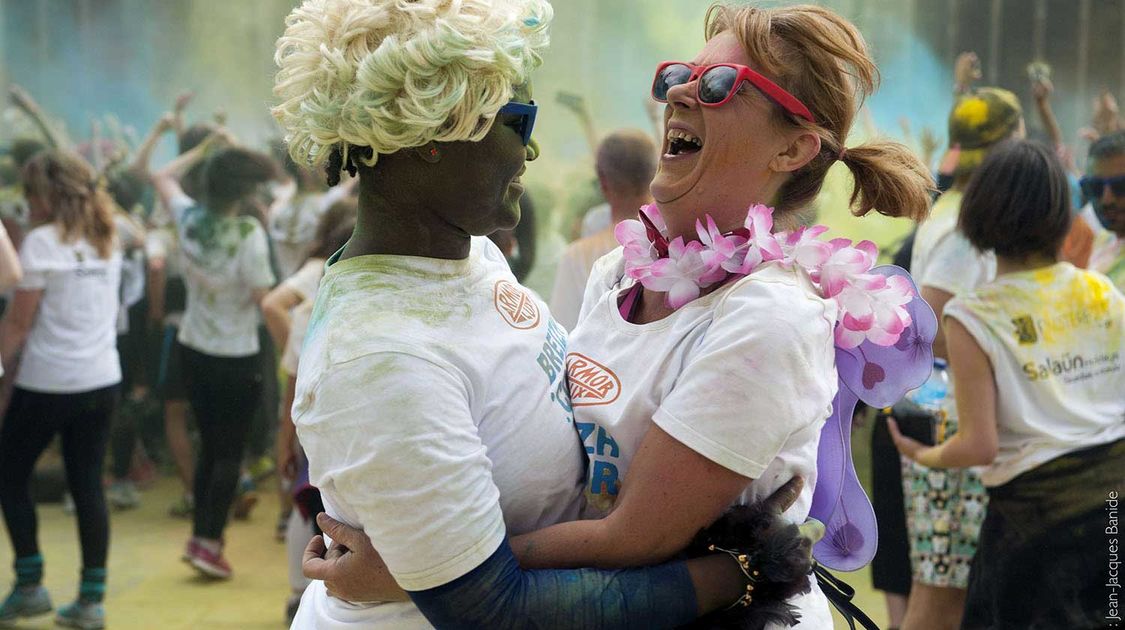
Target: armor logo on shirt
column 591, row 383
column 1025, row 330
column 515, row 306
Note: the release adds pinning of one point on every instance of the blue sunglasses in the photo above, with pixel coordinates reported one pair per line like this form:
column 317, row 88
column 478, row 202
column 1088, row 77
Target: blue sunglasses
column 526, row 112
column 1094, row 187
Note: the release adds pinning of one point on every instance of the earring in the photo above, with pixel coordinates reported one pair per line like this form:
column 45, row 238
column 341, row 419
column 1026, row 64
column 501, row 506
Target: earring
column 430, row 153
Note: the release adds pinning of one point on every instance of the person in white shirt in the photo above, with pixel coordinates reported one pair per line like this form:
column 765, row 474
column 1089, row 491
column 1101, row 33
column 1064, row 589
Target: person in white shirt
column 1038, row 358
column 295, row 214
column 227, row 271
column 596, row 219
column 626, row 162
column 684, row 412
column 59, row 343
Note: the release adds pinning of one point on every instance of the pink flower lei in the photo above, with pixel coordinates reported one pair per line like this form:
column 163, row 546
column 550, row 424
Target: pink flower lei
column 871, row 306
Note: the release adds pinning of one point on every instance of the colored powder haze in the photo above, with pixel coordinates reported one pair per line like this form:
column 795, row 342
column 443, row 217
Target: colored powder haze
column 84, row 58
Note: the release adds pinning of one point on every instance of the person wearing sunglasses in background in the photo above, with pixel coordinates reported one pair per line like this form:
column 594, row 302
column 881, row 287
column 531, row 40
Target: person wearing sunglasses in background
column 680, row 410
column 1104, row 189
column 431, row 397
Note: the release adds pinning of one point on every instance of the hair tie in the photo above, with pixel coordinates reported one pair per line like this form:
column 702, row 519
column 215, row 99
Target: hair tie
column 843, row 154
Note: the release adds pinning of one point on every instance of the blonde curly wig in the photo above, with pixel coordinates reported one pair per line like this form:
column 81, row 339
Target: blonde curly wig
column 393, row 74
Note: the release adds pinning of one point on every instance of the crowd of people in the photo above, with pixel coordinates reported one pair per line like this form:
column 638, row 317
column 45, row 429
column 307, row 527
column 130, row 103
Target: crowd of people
column 641, row 448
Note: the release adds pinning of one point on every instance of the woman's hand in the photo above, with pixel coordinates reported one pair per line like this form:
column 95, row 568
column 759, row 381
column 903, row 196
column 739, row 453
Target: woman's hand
column 351, row 569
column 20, row 98
column 966, row 71
column 907, row 446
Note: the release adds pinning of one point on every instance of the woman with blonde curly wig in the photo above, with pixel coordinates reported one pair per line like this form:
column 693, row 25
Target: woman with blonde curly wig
column 431, row 396
column 59, row 341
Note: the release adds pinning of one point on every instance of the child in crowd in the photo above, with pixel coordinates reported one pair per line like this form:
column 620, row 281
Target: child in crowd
column 1038, row 358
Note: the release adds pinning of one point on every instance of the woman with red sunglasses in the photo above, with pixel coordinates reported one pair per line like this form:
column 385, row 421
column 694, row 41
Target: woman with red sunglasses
column 695, row 387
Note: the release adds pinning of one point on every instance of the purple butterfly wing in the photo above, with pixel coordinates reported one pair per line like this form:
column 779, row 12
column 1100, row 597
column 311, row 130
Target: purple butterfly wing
column 879, row 376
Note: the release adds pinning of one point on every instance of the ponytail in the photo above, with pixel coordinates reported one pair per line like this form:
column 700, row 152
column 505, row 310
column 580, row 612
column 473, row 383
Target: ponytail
column 889, row 179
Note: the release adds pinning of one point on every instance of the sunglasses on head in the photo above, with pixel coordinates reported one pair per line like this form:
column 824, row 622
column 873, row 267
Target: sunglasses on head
column 526, row 123
column 1094, row 187
column 718, row 83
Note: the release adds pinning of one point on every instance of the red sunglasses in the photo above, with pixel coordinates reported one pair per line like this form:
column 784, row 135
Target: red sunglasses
column 718, row 83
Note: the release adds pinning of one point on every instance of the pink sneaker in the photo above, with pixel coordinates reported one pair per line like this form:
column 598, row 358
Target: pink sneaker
column 209, row 563
column 189, row 550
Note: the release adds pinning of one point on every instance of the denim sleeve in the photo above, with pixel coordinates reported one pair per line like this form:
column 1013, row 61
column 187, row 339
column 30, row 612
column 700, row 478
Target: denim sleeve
column 498, row 594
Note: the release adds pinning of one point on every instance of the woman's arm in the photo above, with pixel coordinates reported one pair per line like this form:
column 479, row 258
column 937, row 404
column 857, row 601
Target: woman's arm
column 157, row 282
column 166, row 180
column 937, row 299
column 17, row 326
column 148, row 145
column 24, row 101
column 578, row 105
column 498, row 594
column 641, row 529
column 182, row 102
column 276, row 306
column 287, row 432
column 10, row 270
column 976, row 441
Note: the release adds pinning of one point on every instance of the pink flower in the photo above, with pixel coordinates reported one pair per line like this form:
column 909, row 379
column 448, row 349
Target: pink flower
column 872, row 308
column 759, row 220
column 721, row 251
column 844, row 263
column 682, row 274
column 638, row 250
column 804, row 248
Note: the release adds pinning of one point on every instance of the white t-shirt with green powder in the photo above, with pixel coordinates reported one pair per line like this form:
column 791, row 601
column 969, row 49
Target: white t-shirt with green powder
column 1056, row 340
column 225, row 259
column 432, row 404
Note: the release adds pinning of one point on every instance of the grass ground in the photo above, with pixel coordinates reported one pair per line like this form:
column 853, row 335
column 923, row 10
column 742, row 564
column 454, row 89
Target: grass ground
column 150, row 588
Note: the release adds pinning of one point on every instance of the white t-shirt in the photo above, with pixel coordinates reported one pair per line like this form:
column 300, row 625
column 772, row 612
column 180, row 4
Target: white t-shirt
column 1056, row 341
column 293, row 222
column 572, row 273
column 744, row 376
column 72, row 347
column 162, row 243
column 304, row 284
column 943, row 258
column 225, row 259
column 432, row 405
column 597, row 219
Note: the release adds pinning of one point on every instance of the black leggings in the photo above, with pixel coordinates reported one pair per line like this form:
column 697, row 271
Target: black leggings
column 224, row 393
column 31, row 423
